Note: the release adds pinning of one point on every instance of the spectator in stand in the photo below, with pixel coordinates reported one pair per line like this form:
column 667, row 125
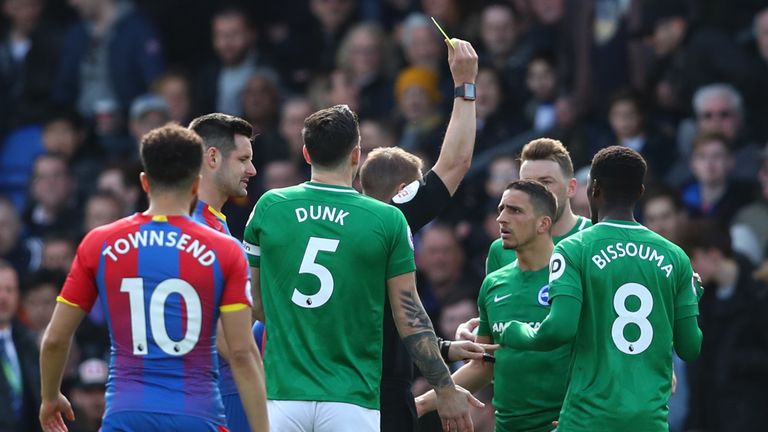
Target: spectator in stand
column 174, row 87
column 580, row 200
column 147, row 112
column 756, row 92
column 631, row 128
column 418, row 101
column 64, row 133
column 421, row 46
column 729, row 379
column 88, row 395
column 719, row 109
column 53, row 202
column 280, row 174
column 19, row 360
column 221, row 82
column 109, row 57
column 38, row 299
column 103, row 207
column 23, row 254
column 366, row 55
column 749, row 230
column 28, row 54
column 495, row 121
column 441, row 268
column 663, row 212
column 261, row 107
column 713, row 193
column 58, row 252
column 292, row 115
column 541, row 81
column 332, row 19
column 503, row 170
column 504, row 46
column 374, row 134
column 123, row 182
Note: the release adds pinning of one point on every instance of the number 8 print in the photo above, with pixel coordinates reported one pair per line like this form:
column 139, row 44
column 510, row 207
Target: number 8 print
column 638, row 317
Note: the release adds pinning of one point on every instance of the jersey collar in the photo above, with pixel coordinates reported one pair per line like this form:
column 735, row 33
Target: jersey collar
column 329, row 187
column 622, row 224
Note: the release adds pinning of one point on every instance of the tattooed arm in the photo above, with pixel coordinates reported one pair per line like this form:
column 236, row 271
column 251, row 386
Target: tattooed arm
column 419, row 338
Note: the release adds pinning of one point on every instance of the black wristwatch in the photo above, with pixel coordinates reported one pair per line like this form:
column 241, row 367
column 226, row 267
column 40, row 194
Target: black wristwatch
column 465, row 91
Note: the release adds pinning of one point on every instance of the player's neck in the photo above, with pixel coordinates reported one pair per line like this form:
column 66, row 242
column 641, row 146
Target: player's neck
column 168, row 205
column 565, row 224
column 211, row 196
column 535, row 255
column 620, row 213
column 332, row 177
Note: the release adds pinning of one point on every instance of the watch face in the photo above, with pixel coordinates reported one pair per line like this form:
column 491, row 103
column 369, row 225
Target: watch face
column 469, row 91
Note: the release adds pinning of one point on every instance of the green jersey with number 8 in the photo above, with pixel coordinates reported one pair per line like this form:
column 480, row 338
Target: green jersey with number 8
column 325, row 254
column 632, row 284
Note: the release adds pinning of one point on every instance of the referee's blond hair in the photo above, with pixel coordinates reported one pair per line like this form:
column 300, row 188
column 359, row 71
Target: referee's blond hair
column 385, row 169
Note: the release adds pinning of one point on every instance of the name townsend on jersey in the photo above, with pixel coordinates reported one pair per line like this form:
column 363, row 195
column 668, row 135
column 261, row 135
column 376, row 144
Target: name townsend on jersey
column 324, row 213
column 169, row 239
column 620, row 250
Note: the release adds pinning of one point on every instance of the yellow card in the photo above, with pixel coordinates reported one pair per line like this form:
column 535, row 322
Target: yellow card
column 442, row 31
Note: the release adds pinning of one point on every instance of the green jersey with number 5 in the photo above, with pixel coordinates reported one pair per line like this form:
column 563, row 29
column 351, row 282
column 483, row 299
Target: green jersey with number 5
column 632, row 284
column 325, row 254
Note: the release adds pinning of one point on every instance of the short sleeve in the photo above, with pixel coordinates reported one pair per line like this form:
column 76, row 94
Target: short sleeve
column 686, row 291
column 484, row 329
column 400, row 259
column 564, row 271
column 80, row 286
column 237, row 282
column 251, row 244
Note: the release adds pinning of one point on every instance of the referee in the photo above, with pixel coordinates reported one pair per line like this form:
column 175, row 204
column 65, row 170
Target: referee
column 395, row 176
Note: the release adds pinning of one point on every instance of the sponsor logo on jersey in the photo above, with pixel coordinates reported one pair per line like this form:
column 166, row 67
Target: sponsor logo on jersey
column 543, row 296
column 499, row 327
column 497, row 299
column 407, row 193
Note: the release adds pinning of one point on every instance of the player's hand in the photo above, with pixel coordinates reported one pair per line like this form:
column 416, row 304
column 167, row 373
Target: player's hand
column 50, row 414
column 453, row 408
column 468, row 350
column 462, row 59
column 465, row 331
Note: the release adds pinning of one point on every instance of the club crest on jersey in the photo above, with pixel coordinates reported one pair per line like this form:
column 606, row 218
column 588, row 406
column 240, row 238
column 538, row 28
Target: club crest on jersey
column 544, row 295
column 407, row 193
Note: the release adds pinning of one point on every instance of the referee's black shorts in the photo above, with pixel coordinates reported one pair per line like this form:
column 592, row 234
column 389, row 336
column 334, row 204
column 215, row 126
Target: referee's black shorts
column 398, row 410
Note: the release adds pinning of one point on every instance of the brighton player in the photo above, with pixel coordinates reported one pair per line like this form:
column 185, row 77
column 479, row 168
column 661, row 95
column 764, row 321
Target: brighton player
column 323, row 259
column 226, row 169
column 547, row 161
column 624, row 296
column 163, row 280
column 530, row 386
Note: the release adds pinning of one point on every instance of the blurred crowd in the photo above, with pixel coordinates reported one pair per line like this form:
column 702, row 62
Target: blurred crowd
column 685, row 83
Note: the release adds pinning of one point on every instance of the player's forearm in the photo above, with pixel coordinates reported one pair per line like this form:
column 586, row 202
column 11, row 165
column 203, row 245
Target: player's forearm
column 54, row 352
column 473, row 376
column 249, row 377
column 557, row 329
column 687, row 338
column 456, row 154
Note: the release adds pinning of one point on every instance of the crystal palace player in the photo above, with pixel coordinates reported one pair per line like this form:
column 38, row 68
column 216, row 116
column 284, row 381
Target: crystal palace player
column 625, row 296
column 162, row 279
column 225, row 172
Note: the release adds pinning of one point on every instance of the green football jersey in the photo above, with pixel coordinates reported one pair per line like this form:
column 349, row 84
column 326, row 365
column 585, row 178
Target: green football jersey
column 529, row 386
column 325, row 254
column 632, row 284
column 498, row 257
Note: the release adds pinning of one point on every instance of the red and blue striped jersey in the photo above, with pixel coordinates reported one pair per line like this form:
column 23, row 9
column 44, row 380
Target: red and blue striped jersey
column 207, row 215
column 162, row 280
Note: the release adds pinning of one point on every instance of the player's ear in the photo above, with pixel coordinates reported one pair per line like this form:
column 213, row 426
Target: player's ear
column 144, row 182
column 571, row 190
column 356, row 152
column 306, row 155
column 211, row 155
column 545, row 224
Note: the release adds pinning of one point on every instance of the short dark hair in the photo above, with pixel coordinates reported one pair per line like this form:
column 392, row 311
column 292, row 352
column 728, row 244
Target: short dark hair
column 707, row 137
column 620, row 172
column 706, row 234
column 330, row 135
column 171, row 156
column 218, row 130
column 543, row 201
column 385, row 169
column 233, row 10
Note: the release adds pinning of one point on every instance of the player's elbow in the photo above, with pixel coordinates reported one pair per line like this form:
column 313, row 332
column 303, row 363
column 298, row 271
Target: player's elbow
column 243, row 356
column 53, row 341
